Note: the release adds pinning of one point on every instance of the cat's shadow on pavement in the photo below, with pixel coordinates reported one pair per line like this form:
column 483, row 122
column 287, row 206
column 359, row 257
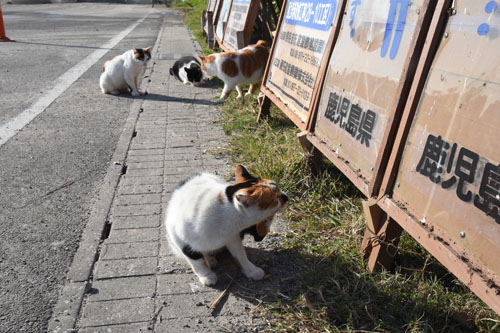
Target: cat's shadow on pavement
column 294, row 280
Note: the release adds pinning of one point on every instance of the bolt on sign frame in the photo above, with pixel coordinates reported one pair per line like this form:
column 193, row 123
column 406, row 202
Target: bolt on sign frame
column 442, row 183
column 237, row 23
column 306, row 33
column 366, row 86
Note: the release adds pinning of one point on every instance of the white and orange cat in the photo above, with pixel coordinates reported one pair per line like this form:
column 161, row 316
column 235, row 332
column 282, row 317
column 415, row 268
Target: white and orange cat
column 205, row 214
column 245, row 66
column 124, row 73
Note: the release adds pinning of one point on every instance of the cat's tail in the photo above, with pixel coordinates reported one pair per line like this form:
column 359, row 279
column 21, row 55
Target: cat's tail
column 172, row 241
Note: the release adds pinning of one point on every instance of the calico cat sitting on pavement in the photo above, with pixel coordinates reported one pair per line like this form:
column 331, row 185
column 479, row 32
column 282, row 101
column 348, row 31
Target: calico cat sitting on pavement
column 124, row 73
column 205, row 214
column 245, row 66
column 188, row 70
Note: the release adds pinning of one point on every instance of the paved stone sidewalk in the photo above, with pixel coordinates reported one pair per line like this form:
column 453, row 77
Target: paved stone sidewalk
column 135, row 283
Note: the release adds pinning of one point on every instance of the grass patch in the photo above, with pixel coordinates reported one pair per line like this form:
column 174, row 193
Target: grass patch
column 325, row 232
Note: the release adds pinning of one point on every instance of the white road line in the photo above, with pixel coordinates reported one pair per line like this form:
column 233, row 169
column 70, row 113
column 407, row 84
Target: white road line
column 63, row 82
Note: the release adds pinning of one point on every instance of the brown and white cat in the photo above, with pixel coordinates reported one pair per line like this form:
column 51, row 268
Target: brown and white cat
column 124, row 73
column 205, row 214
column 245, row 66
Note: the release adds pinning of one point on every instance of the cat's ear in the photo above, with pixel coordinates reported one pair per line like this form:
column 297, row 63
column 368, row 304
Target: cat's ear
column 134, row 49
column 148, row 49
column 242, row 198
column 242, row 174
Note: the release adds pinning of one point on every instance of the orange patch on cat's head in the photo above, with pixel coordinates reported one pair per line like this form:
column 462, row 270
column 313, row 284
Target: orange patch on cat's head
column 250, row 190
column 142, row 54
column 265, row 195
column 206, row 60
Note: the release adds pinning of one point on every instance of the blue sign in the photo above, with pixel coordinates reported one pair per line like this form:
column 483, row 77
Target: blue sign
column 242, row 1
column 314, row 14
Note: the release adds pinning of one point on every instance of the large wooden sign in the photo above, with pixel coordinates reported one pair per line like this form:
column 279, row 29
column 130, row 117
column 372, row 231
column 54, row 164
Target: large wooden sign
column 447, row 189
column 240, row 24
column 304, row 38
column 367, row 84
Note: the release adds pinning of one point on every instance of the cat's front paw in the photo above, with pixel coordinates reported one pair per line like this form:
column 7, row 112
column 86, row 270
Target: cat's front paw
column 254, row 273
column 136, row 93
column 220, row 100
column 240, row 97
column 208, row 280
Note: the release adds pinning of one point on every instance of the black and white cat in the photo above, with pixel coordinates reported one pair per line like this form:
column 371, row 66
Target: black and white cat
column 124, row 73
column 205, row 214
column 188, row 70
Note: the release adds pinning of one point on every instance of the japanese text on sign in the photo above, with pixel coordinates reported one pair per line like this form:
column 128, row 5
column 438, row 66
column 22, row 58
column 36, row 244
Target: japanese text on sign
column 317, row 14
column 350, row 117
column 309, row 43
column 439, row 154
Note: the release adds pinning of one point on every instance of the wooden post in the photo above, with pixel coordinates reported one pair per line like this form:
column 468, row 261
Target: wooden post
column 265, row 104
column 203, row 22
column 374, row 216
column 384, row 244
column 210, row 30
column 313, row 155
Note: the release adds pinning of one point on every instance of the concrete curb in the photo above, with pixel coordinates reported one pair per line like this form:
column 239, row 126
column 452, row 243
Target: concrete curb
column 70, row 298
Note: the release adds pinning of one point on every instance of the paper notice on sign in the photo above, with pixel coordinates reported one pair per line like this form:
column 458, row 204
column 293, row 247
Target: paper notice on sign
column 299, row 52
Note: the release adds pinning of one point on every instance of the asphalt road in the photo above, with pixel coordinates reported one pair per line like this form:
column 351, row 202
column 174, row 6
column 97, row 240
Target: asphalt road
column 51, row 171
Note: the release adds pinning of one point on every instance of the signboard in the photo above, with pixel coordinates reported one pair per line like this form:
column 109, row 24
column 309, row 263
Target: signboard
column 301, row 45
column 241, row 18
column 367, row 84
column 222, row 19
column 449, row 176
